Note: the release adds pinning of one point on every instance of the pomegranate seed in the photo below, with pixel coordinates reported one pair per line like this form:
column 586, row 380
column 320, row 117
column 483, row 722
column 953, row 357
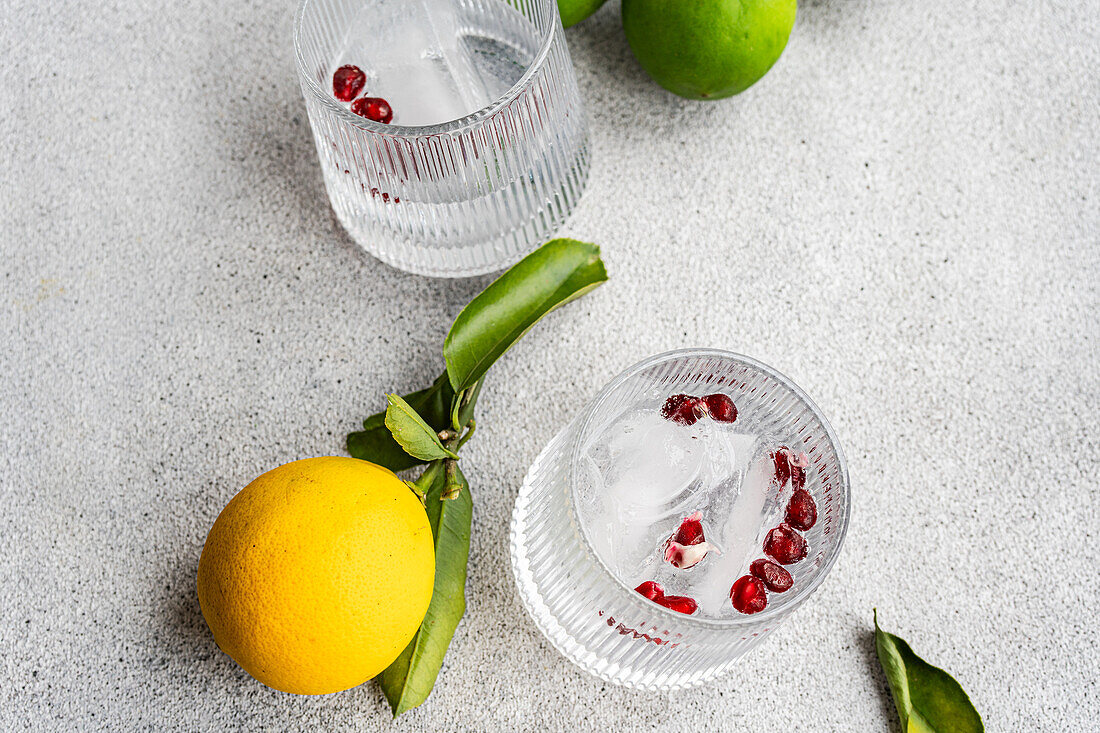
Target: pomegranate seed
column 801, row 510
column 680, row 604
column 785, row 545
column 748, row 594
column 799, row 463
column 798, row 476
column 651, row 590
column 720, row 407
column 654, row 592
column 774, row 576
column 682, row 409
column 782, row 466
column 690, row 531
column 686, row 556
column 347, row 82
column 373, row 108
column 687, row 545
column 790, row 466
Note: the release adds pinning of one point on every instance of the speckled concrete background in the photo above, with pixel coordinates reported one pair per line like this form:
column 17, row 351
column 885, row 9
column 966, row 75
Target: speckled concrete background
column 903, row 218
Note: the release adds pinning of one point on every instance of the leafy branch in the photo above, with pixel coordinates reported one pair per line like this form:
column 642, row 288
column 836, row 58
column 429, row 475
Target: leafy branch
column 429, row 426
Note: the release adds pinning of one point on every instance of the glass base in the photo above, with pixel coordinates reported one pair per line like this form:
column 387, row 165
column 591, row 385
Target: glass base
column 488, row 250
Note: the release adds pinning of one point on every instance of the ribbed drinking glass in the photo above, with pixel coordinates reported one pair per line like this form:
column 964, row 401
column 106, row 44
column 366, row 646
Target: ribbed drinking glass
column 487, row 153
column 600, row 622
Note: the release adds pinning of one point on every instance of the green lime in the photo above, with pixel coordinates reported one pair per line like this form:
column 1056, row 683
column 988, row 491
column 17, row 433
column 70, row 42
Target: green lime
column 574, row 11
column 707, row 49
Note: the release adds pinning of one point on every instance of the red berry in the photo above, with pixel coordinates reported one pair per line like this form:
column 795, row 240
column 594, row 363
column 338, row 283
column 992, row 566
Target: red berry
column 785, row 545
column 798, row 476
column 720, row 407
column 651, row 590
column 748, row 595
column 347, row 82
column 687, row 545
column 799, row 462
column 690, row 531
column 680, row 604
column 775, row 577
column 682, row 409
column 654, row 592
column 373, row 108
column 801, row 510
column 782, row 466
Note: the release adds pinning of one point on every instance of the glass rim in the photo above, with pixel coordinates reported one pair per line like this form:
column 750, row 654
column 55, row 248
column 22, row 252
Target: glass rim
column 744, row 620
column 397, row 131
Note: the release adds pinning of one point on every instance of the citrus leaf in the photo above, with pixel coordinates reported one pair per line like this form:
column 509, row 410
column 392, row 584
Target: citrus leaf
column 412, row 433
column 554, row 274
column 409, row 680
column 375, row 443
column 928, row 699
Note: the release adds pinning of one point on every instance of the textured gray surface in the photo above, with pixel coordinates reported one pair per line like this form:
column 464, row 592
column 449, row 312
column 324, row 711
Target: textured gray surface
column 903, row 218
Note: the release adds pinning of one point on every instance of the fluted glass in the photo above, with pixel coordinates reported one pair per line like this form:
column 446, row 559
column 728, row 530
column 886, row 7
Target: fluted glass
column 596, row 620
column 463, row 197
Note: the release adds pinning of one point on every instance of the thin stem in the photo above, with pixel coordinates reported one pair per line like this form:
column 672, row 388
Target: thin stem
column 456, row 407
column 426, row 479
column 471, row 427
column 452, row 487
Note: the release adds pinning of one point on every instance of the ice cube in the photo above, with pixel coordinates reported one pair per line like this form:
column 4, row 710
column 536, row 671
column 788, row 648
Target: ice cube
column 644, row 474
column 653, row 463
column 638, row 469
column 739, row 536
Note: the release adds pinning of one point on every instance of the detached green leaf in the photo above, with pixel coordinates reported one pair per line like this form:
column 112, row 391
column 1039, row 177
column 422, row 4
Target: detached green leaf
column 928, row 699
column 409, row 680
column 412, row 433
column 375, row 443
column 551, row 276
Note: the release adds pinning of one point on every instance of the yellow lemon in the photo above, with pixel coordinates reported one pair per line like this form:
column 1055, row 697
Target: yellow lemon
column 317, row 574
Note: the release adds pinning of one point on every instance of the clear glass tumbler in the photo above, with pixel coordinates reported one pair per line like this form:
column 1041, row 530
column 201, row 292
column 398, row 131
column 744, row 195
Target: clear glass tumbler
column 462, row 197
column 602, row 624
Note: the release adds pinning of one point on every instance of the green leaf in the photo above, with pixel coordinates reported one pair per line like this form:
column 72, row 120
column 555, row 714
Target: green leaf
column 375, row 443
column 552, row 275
column 409, row 680
column 412, row 433
column 928, row 699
